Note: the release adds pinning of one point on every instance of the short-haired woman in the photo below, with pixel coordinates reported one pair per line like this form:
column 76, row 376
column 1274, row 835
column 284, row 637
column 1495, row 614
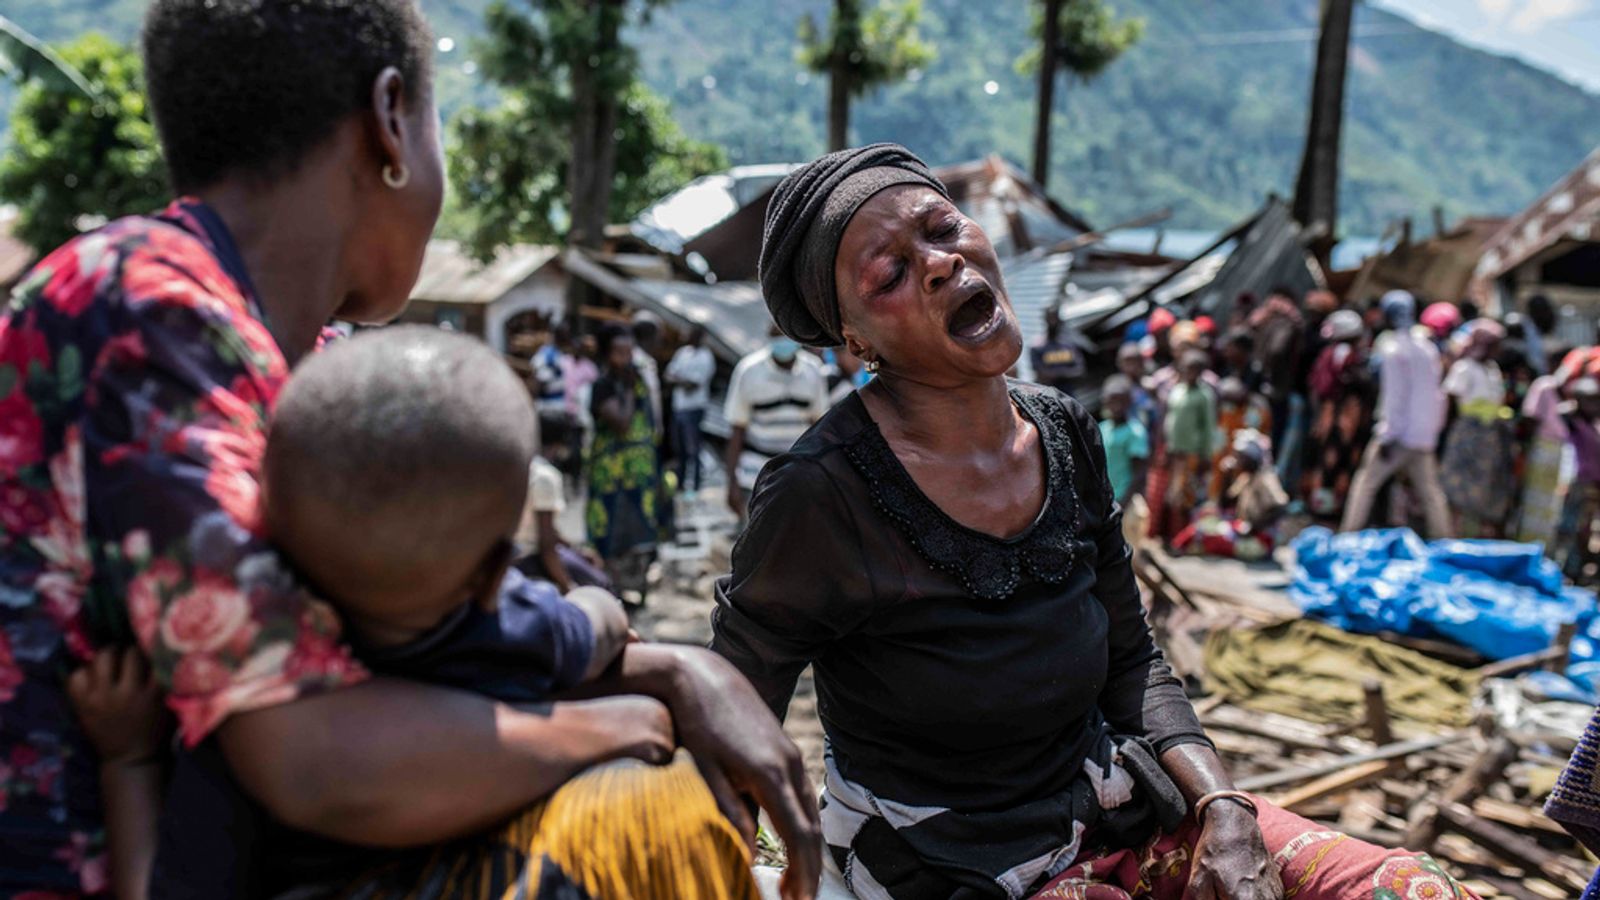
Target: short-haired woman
column 137, row 366
column 944, row 549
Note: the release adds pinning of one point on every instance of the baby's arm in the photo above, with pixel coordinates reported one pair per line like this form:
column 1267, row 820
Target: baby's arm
column 120, row 708
column 609, row 623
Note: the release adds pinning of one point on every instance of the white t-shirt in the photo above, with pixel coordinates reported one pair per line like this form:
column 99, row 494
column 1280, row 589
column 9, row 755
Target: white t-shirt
column 697, row 365
column 1471, row 380
column 545, row 494
column 774, row 406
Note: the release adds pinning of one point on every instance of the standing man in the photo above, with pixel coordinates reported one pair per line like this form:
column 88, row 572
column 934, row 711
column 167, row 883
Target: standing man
column 689, row 375
column 1057, row 360
column 776, row 394
column 1411, row 408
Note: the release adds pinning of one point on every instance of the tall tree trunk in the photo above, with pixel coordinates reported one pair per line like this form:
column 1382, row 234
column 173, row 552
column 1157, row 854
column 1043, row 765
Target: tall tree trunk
column 1316, row 194
column 1048, row 61
column 838, row 105
column 846, row 40
column 594, row 153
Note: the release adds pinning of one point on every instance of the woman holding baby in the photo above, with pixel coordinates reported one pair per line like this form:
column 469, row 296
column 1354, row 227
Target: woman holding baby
column 138, row 367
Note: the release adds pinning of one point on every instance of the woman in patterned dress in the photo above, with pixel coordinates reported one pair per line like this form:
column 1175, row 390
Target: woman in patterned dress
column 138, row 364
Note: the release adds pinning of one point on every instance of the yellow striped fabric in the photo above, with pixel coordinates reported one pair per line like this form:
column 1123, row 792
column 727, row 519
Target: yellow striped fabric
column 625, row 831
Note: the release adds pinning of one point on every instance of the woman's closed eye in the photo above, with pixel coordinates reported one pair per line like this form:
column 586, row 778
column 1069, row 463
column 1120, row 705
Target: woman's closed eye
column 896, row 273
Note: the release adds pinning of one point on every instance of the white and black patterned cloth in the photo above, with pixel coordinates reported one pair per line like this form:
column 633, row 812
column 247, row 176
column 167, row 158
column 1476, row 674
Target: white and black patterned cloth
column 969, row 679
column 896, row 851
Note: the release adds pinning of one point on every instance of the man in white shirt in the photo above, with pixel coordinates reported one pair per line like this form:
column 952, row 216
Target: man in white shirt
column 776, row 394
column 1411, row 408
column 689, row 374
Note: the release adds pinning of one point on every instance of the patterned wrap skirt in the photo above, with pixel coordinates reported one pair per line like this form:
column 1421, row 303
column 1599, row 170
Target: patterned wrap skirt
column 624, row 831
column 1476, row 471
column 1551, row 466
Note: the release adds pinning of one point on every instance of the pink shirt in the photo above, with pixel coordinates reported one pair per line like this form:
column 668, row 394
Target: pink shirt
column 1543, row 405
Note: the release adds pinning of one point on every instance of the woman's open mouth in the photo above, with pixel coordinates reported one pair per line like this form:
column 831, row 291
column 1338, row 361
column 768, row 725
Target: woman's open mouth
column 978, row 318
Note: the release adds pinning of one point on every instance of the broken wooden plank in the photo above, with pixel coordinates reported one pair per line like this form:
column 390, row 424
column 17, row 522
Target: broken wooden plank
column 1519, row 849
column 1332, row 783
column 1516, row 815
column 1535, row 660
column 1466, row 787
column 1562, row 644
column 1391, row 751
column 1378, row 727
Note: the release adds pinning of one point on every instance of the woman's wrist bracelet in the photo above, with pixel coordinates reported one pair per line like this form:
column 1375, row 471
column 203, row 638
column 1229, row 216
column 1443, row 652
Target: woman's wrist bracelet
column 1239, row 797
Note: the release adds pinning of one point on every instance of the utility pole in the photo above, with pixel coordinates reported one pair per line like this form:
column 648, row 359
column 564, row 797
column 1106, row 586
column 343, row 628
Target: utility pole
column 1316, row 193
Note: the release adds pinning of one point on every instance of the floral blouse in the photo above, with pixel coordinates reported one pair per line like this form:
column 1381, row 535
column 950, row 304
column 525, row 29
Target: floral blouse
column 136, row 373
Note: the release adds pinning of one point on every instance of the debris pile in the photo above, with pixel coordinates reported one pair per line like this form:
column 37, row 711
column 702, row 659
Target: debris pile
column 1400, row 741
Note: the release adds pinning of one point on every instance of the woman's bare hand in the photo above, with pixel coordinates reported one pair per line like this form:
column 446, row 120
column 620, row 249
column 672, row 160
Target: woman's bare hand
column 1231, row 860
column 743, row 753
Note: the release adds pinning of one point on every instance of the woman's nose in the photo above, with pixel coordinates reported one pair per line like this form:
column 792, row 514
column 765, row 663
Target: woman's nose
column 940, row 267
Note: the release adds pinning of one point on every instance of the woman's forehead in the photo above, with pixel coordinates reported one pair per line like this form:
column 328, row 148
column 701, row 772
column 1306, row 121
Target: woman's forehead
column 875, row 224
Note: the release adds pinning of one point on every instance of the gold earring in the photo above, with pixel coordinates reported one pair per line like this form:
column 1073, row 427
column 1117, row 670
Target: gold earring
column 873, row 366
column 396, row 179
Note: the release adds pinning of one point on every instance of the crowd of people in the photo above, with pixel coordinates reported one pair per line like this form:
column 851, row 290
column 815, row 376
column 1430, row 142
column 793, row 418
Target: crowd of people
column 624, row 421
column 261, row 628
column 1356, row 414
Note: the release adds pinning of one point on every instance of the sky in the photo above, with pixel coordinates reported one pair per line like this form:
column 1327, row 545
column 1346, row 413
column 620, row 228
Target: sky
column 1558, row 35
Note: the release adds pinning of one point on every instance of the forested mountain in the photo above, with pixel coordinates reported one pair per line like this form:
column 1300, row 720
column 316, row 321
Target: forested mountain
column 1205, row 116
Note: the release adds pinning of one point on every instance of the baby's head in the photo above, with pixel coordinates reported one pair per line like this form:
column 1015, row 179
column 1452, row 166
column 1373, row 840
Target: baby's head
column 396, row 469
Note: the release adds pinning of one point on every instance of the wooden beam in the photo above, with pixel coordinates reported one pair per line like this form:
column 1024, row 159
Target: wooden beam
column 1424, row 825
column 1517, row 816
column 1515, row 847
column 1333, row 783
column 1392, row 751
column 1377, row 712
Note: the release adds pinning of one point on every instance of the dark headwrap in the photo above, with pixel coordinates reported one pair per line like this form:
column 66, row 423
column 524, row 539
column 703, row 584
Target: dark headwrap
column 805, row 221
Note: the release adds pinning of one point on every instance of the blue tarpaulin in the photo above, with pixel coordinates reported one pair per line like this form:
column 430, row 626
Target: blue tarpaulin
column 1499, row 598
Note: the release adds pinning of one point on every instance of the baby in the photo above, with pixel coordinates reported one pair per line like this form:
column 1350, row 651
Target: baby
column 394, row 480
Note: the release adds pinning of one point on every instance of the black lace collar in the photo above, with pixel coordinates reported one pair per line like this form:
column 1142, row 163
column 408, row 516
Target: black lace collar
column 990, row 568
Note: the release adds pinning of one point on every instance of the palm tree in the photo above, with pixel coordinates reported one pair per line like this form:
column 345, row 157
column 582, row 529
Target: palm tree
column 1082, row 37
column 862, row 50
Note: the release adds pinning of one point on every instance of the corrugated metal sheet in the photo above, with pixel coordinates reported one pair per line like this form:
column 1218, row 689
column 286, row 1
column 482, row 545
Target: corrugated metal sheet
column 678, row 218
column 450, row 275
column 1570, row 209
column 1015, row 213
column 1034, row 285
column 1270, row 253
column 733, row 313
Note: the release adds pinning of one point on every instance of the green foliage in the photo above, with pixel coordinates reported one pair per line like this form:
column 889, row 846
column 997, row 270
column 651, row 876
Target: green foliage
column 70, row 156
column 1205, row 128
column 873, row 48
column 510, row 164
column 1091, row 37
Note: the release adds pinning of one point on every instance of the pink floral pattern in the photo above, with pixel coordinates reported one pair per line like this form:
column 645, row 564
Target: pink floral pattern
column 136, row 374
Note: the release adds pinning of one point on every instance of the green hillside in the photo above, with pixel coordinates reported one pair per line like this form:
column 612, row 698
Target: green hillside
column 1190, row 119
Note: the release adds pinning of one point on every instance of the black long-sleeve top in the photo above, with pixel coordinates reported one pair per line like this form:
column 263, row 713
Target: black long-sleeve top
column 953, row 669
